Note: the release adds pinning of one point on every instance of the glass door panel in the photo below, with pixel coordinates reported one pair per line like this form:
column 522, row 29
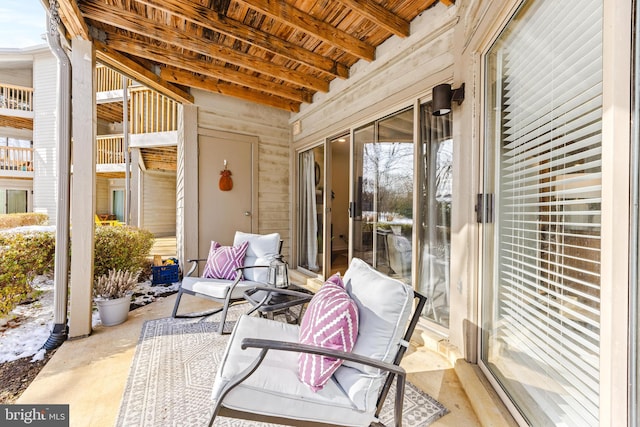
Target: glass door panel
column 338, row 203
column 435, row 232
column 118, row 204
column 383, row 194
column 541, row 258
column 16, row 201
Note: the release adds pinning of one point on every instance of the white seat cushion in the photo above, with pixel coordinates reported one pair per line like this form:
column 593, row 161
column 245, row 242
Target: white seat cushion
column 274, row 388
column 216, row 288
column 261, row 251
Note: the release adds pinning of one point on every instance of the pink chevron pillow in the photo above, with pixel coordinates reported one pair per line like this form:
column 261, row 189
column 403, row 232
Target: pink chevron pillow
column 223, row 260
column 331, row 321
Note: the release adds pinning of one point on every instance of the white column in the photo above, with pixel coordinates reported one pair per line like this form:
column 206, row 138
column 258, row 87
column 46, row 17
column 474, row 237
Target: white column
column 83, row 196
column 187, row 185
column 134, row 215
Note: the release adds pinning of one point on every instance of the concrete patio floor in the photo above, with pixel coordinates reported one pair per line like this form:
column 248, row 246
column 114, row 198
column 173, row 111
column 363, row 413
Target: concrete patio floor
column 90, row 373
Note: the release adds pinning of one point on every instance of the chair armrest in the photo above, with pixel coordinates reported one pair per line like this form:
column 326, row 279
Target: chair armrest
column 282, row 291
column 312, row 349
column 247, row 267
column 194, row 266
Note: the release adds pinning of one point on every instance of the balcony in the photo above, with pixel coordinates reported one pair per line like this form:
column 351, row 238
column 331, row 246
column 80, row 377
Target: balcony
column 16, row 162
column 18, row 98
column 149, row 111
column 110, row 149
column 152, row 112
column 16, row 106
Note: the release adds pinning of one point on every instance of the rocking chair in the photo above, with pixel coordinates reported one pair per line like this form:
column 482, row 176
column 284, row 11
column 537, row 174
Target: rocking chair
column 260, row 251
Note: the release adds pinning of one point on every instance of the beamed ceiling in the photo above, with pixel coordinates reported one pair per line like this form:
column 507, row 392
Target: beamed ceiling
column 272, row 52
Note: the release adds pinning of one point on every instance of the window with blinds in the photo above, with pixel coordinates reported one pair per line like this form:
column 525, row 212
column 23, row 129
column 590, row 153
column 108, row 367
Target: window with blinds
column 541, row 287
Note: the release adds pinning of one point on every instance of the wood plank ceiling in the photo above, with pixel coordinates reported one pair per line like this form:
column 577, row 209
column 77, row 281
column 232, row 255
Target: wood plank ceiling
column 273, row 52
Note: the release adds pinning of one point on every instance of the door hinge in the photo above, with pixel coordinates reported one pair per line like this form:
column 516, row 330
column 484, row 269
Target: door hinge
column 484, row 208
column 352, row 209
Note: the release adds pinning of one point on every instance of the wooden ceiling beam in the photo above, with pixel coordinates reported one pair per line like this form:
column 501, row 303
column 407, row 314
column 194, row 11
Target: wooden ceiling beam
column 379, row 15
column 290, row 16
column 187, row 39
column 72, row 19
column 448, row 2
column 208, row 18
column 132, row 69
column 205, row 83
column 167, row 56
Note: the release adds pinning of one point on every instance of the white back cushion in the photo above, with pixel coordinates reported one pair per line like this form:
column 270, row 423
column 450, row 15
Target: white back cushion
column 384, row 306
column 261, row 251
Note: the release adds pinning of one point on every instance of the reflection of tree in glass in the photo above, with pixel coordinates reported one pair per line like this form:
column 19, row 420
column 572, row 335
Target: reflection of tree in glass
column 388, row 174
column 444, row 169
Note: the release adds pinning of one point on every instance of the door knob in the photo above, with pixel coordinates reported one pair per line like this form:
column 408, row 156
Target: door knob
column 247, row 213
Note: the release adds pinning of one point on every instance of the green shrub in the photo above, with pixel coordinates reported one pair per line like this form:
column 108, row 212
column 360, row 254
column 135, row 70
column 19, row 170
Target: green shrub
column 22, row 256
column 121, row 248
column 22, row 219
column 25, row 255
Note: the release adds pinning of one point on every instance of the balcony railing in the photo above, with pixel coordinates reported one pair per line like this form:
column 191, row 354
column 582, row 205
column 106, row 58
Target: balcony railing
column 16, row 158
column 108, row 80
column 152, row 112
column 16, row 97
column 110, row 149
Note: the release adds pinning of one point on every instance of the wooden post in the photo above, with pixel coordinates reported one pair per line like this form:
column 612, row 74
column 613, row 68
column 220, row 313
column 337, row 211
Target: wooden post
column 83, row 199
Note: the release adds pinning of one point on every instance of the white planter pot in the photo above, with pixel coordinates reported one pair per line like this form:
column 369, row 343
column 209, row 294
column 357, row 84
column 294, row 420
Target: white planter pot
column 113, row 311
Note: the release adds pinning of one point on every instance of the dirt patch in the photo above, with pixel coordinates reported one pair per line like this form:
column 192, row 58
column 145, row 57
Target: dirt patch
column 16, row 375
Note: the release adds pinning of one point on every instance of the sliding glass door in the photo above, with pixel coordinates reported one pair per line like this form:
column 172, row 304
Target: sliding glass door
column 383, row 194
column 543, row 156
column 13, row 201
column 436, row 170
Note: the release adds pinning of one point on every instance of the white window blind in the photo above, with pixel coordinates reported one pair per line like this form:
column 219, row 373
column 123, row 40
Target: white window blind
column 544, row 326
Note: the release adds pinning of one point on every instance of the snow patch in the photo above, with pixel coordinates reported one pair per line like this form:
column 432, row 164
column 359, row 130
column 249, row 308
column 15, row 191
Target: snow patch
column 29, row 325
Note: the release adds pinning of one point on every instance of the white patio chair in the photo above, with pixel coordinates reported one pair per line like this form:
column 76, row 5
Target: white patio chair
column 258, row 376
column 261, row 250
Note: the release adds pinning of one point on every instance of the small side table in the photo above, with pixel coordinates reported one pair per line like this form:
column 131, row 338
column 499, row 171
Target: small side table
column 270, row 302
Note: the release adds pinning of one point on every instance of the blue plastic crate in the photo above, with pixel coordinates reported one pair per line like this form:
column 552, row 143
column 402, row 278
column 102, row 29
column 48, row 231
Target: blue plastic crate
column 165, row 274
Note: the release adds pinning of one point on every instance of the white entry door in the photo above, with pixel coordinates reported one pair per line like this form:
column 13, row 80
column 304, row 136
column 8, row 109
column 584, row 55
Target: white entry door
column 222, row 213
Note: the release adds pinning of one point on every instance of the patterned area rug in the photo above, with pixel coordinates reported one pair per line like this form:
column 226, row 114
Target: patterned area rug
column 174, row 366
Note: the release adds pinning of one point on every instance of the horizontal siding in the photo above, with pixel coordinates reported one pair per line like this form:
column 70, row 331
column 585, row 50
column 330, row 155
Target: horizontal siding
column 159, row 203
column 270, row 126
column 45, row 137
column 102, row 195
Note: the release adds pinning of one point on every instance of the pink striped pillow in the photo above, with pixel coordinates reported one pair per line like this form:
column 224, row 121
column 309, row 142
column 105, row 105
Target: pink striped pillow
column 223, row 260
column 331, row 321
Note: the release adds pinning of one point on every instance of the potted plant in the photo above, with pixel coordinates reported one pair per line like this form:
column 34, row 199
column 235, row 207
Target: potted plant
column 113, row 295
